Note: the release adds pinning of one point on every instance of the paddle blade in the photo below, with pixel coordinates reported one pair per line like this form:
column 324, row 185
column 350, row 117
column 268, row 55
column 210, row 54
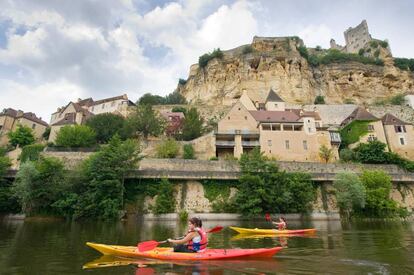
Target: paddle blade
column 267, row 217
column 215, row 229
column 146, row 246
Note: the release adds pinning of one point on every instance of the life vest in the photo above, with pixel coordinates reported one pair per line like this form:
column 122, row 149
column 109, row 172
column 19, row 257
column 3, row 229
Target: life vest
column 281, row 226
column 198, row 243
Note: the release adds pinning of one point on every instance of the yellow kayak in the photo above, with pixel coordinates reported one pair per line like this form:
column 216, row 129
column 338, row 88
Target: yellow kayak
column 258, row 231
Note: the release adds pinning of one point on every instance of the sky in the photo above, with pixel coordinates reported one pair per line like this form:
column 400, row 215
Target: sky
column 56, row 51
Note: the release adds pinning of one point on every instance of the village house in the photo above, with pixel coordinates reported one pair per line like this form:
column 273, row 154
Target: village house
column 282, row 133
column 10, row 119
column 77, row 113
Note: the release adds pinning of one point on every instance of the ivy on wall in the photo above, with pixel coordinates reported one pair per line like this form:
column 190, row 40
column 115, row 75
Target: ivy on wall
column 218, row 193
column 353, row 131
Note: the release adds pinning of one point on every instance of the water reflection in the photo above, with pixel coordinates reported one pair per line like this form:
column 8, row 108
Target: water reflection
column 58, row 247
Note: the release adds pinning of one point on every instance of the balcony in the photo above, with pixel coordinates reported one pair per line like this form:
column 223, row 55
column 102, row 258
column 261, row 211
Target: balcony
column 250, row 143
column 225, row 143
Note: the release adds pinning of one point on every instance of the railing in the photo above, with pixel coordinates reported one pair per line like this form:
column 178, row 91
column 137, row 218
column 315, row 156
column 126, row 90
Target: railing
column 250, row 143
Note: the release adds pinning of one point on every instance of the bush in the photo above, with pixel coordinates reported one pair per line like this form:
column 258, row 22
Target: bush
column 336, row 56
column 144, row 121
column 205, row 58
column 214, row 158
column 192, row 125
column 247, row 49
column 320, row 99
column 325, row 153
column 404, row 63
column 22, row 136
column 164, row 202
column 303, row 51
column 31, row 152
column 350, row 193
column 106, row 126
column 398, row 99
column 76, row 136
column 318, row 48
column 188, row 151
column 373, row 44
column 378, row 187
column 383, row 44
column 347, row 155
column 168, row 149
column 361, row 52
column 182, row 81
column 371, row 152
column 46, row 133
column 179, row 109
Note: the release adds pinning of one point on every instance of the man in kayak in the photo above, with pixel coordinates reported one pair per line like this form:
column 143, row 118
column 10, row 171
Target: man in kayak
column 194, row 241
column 281, row 225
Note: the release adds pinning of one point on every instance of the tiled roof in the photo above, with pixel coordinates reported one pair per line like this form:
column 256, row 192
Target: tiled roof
column 315, row 115
column 109, row 99
column 359, row 114
column 32, row 117
column 9, row 112
column 20, row 114
column 70, row 118
column 273, row 97
column 389, row 119
column 275, row 116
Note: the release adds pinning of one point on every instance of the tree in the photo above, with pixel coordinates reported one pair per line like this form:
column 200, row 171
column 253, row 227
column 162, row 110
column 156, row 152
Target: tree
column 76, row 136
column 149, row 99
column 378, row 188
column 319, row 99
column 31, row 152
column 193, row 125
column 46, row 133
column 22, row 136
column 325, row 153
column 350, row 193
column 371, row 152
column 175, row 98
column 188, row 151
column 347, row 155
column 146, row 122
column 164, row 202
column 101, row 192
column 168, row 148
column 106, row 126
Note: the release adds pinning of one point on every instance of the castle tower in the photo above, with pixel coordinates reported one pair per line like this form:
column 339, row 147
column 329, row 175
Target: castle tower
column 356, row 38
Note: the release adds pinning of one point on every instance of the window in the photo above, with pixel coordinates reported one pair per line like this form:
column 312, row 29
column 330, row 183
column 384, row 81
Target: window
column 245, row 117
column 103, row 105
column 275, row 105
column 287, row 127
column 305, row 145
column 287, row 144
column 400, row 129
column 370, row 128
column 33, row 126
column 276, row 127
column 310, row 130
column 266, row 127
column 297, row 127
column 402, row 141
column 228, row 118
column 269, row 142
column 372, row 138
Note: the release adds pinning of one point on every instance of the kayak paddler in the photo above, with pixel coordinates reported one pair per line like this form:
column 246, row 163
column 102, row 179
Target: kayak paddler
column 194, row 241
column 281, row 225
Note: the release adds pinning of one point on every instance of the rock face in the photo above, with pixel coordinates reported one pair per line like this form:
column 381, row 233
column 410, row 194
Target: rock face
column 276, row 63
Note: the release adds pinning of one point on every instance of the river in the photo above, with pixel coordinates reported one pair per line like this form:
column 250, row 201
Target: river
column 43, row 246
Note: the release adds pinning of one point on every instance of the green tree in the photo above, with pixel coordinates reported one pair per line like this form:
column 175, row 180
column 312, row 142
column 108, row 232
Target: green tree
column 168, row 148
column 164, row 202
column 378, row 188
column 145, row 121
column 31, row 152
column 325, row 153
column 192, row 125
column 350, row 193
column 38, row 185
column 106, row 126
column 371, row 152
column 46, row 133
column 22, row 136
column 101, row 193
column 150, row 99
column 347, row 155
column 320, row 99
column 175, row 98
column 188, row 151
column 76, row 136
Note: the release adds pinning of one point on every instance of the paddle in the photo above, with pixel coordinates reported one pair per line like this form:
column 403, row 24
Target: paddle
column 150, row 245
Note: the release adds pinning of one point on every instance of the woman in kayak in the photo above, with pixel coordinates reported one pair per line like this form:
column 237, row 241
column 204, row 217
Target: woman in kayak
column 281, row 225
column 194, row 241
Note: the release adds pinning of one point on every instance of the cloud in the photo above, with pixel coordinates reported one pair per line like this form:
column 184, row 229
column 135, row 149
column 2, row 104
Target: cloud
column 316, row 35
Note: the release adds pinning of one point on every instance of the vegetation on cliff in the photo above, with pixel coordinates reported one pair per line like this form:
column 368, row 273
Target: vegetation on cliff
column 404, row 63
column 205, row 58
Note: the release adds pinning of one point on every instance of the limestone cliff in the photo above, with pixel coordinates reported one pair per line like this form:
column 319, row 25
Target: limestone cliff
column 276, row 63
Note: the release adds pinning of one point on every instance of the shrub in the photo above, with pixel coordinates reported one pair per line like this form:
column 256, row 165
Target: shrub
column 377, row 53
column 303, row 51
column 192, row 125
column 350, row 193
column 205, row 58
column 168, row 149
column 182, row 81
column 404, row 63
column 179, row 109
column 106, row 126
column 75, row 136
column 318, row 48
column 150, row 99
column 373, row 44
column 397, row 99
column 46, row 133
column 214, row 158
column 31, row 152
column 361, row 52
column 371, row 152
column 164, row 202
column 183, row 216
column 383, row 44
column 347, row 155
column 144, row 121
column 247, row 49
column 22, row 136
column 188, row 151
column 320, row 99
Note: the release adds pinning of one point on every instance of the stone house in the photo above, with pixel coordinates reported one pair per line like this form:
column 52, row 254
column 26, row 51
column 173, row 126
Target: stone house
column 10, row 119
column 77, row 113
column 286, row 134
column 399, row 136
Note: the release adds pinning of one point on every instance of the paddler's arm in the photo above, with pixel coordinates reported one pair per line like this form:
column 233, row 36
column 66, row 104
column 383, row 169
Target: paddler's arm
column 185, row 240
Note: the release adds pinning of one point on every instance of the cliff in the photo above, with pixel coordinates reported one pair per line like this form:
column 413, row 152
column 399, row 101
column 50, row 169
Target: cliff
column 277, row 63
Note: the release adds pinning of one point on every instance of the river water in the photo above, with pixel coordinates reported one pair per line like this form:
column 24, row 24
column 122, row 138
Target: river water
column 58, row 247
